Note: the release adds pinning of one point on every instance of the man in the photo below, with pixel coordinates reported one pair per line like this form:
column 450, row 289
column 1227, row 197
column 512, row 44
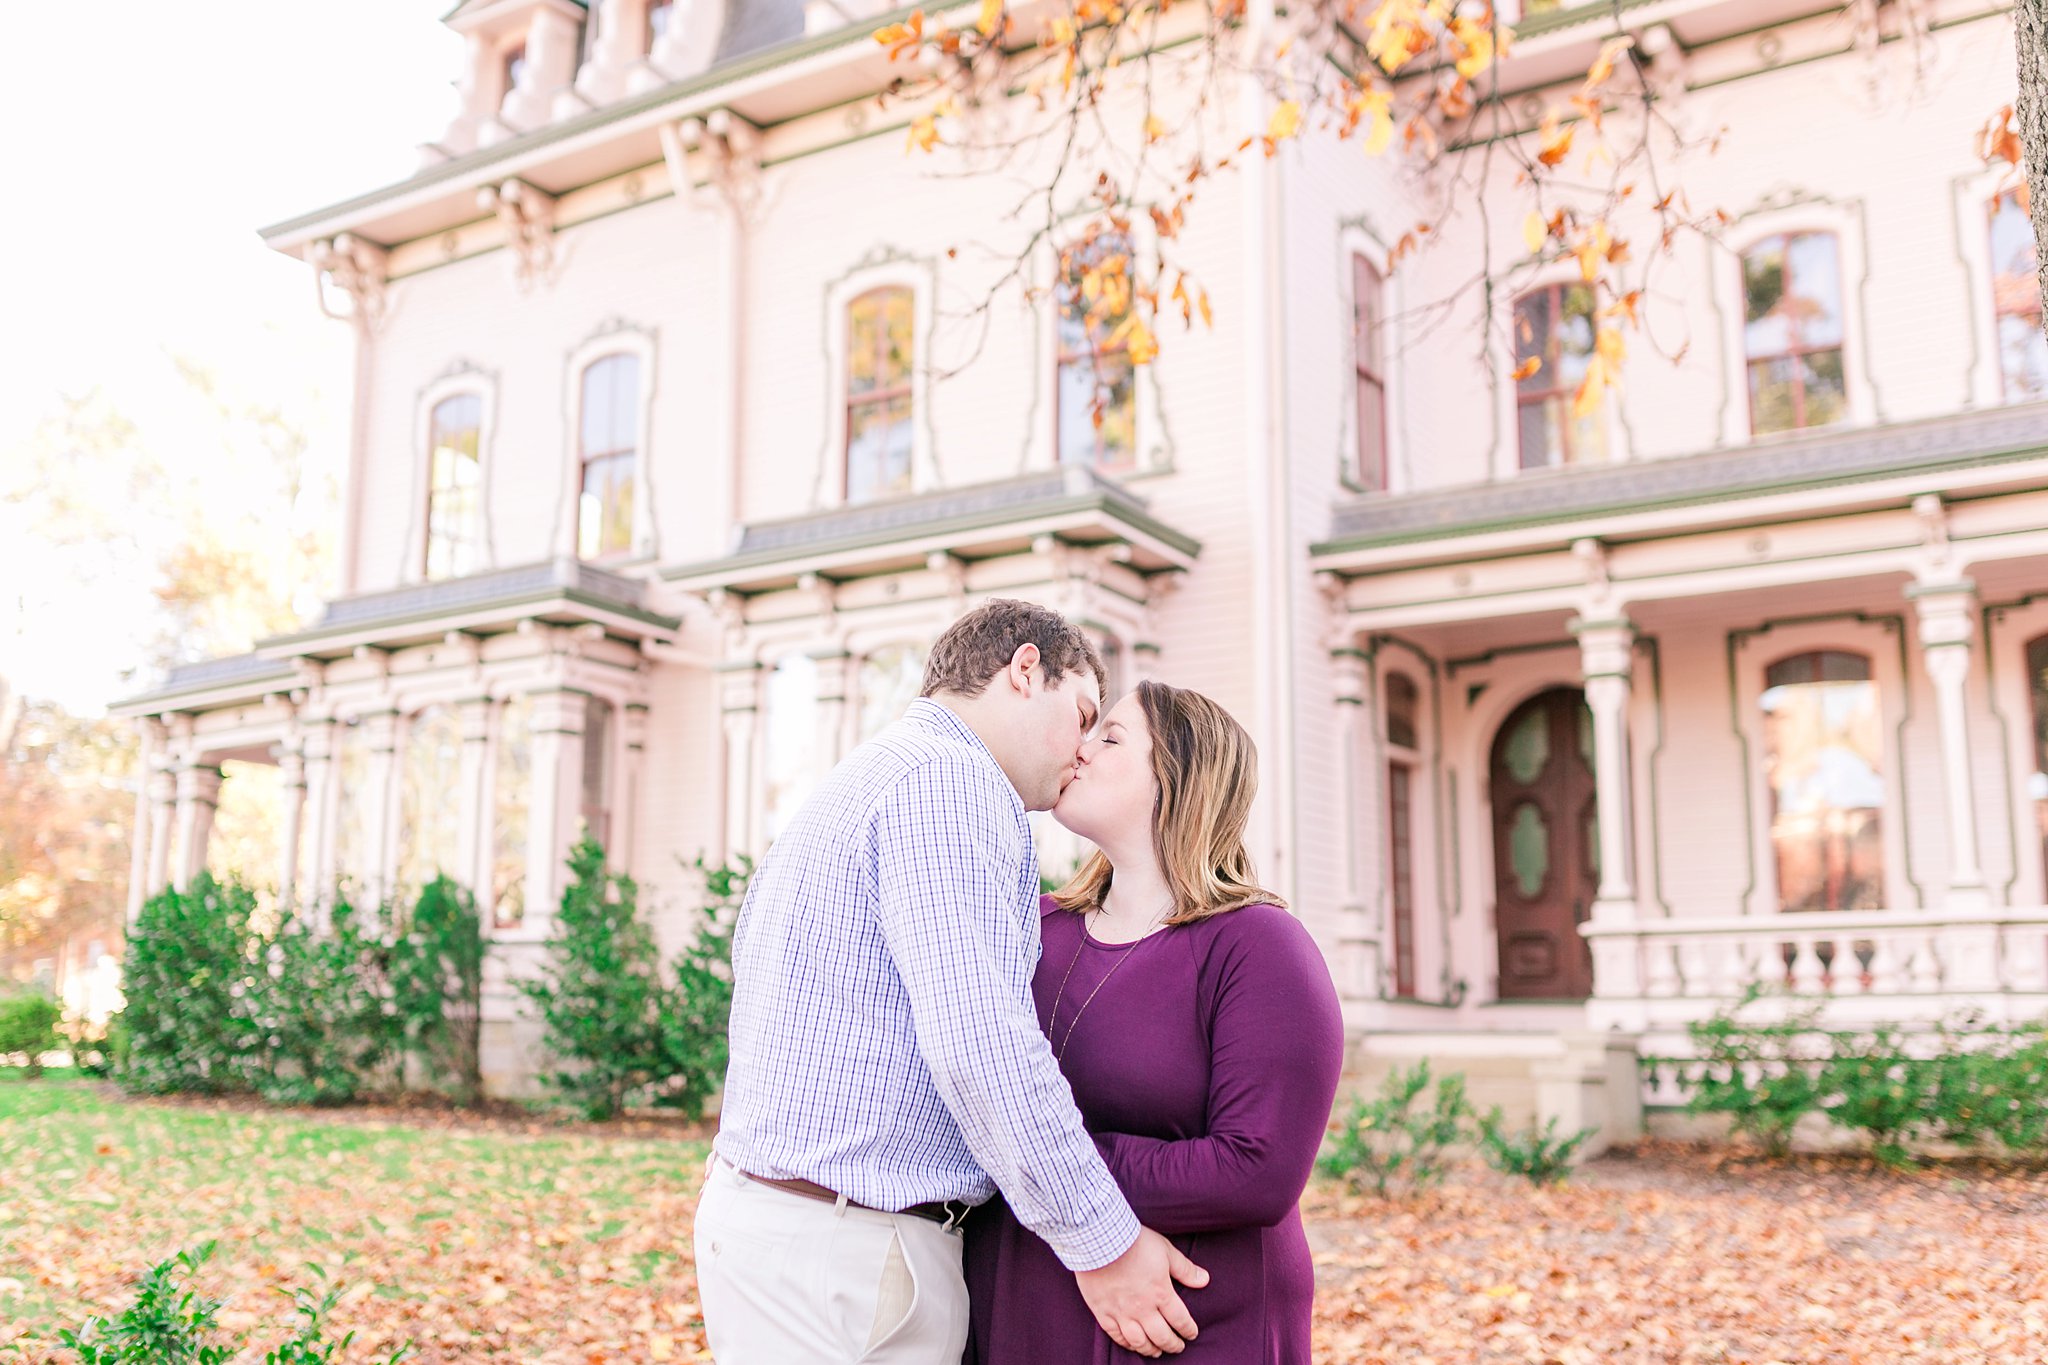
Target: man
column 887, row 1067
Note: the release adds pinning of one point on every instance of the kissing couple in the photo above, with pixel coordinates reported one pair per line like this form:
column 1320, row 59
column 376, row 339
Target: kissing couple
column 967, row 1122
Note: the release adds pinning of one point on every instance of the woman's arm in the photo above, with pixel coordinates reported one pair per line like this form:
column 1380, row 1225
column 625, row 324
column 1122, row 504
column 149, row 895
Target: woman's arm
column 1276, row 1047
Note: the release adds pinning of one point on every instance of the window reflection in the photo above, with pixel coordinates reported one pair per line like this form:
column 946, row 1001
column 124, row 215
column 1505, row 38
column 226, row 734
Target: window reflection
column 2016, row 300
column 879, row 403
column 1096, row 387
column 1555, row 328
column 429, row 789
column 356, row 808
column 610, row 446
column 792, row 735
column 1824, row 764
column 890, row 679
column 1792, row 332
column 455, row 488
column 511, row 800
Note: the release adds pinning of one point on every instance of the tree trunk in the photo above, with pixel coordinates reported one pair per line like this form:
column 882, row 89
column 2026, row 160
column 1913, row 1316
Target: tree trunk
column 2030, row 112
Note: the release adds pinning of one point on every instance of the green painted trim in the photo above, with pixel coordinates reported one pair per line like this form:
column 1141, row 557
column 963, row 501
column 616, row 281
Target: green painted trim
column 1084, row 502
column 1504, row 652
column 1623, row 506
column 572, row 597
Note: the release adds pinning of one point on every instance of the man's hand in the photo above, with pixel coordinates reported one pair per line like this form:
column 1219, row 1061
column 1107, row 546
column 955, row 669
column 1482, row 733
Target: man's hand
column 1133, row 1299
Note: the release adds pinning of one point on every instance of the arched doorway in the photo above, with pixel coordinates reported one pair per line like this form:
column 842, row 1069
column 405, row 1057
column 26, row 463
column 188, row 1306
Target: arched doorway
column 1546, row 846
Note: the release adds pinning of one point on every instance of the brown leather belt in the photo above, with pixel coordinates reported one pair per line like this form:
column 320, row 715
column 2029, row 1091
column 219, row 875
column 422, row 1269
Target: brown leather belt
column 952, row 1212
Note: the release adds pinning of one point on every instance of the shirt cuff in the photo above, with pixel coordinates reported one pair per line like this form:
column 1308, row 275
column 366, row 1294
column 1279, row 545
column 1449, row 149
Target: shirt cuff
column 1096, row 1244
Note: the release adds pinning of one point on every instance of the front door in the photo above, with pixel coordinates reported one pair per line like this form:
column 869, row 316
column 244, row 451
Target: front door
column 1545, row 847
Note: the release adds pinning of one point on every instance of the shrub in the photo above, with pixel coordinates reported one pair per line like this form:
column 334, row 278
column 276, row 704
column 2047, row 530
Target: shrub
column 699, row 1011
column 1540, row 1156
column 1871, row 1085
column 188, row 969
column 321, row 1011
column 436, row 971
column 168, row 1324
column 1385, row 1140
column 599, row 992
column 28, row 1028
column 1760, row 1075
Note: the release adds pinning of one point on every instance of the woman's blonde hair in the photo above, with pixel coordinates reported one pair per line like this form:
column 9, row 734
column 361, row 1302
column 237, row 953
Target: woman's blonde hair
column 1208, row 772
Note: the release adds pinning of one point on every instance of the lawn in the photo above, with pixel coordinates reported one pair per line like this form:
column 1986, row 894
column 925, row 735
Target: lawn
column 523, row 1239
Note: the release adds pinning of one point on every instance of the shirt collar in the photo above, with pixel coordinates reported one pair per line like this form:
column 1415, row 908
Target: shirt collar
column 936, row 718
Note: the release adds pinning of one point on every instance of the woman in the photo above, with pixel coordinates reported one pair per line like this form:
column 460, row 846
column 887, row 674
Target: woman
column 1196, row 1023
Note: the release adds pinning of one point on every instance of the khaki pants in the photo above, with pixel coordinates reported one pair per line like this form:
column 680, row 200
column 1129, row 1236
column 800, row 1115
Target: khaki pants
column 786, row 1280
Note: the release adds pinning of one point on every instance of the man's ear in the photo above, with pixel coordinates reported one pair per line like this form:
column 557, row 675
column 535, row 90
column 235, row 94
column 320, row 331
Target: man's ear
column 1021, row 664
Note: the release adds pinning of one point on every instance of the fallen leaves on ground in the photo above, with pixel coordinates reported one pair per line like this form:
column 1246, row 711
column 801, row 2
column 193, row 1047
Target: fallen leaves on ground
column 511, row 1237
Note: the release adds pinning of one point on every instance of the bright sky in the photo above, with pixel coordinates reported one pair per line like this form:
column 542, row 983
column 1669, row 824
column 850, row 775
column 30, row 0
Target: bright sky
column 144, row 143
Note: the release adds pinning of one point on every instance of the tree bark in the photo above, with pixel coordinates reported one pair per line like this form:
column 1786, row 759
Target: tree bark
column 2030, row 113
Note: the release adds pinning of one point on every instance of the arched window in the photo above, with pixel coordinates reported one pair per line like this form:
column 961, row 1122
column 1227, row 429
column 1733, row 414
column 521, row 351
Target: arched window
column 455, row 511
column 879, row 404
column 1554, row 327
column 890, row 679
column 1096, row 395
column 791, row 702
column 511, row 802
column 2016, row 301
column 1824, row 767
column 1367, row 354
column 1792, row 332
column 1403, row 702
column 514, row 68
column 430, row 783
column 610, row 451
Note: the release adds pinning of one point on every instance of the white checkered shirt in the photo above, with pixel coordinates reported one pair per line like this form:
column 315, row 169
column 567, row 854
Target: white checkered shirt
column 884, row 1040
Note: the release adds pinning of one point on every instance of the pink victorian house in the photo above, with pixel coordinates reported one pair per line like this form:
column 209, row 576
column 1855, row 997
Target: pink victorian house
column 1572, row 727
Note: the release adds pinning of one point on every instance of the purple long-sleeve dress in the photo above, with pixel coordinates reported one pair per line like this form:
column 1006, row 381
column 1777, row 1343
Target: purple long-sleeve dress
column 1204, row 1060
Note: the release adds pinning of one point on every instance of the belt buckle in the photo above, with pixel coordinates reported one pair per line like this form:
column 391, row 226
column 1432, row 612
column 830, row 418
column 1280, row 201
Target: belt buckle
column 956, row 1213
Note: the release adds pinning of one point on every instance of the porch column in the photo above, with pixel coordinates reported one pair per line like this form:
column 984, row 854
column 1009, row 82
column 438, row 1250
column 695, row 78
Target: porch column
column 163, row 796
column 139, row 853
column 380, row 793
column 1359, row 958
column 555, row 803
column 291, row 763
column 1947, row 614
column 472, row 798
column 835, row 692
column 739, row 708
column 198, row 797
column 1606, row 653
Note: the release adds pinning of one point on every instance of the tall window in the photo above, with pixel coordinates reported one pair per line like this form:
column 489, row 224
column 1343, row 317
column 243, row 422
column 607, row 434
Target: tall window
column 791, row 701
column 355, row 818
column 610, row 442
column 511, row 802
column 1403, row 703
column 1367, row 353
column 2037, row 781
column 597, row 769
column 1792, row 332
column 661, row 17
column 1824, row 763
column 455, row 512
column 879, row 402
column 1096, row 397
column 1554, row 328
column 2016, row 301
column 428, row 797
column 890, row 679
column 515, row 68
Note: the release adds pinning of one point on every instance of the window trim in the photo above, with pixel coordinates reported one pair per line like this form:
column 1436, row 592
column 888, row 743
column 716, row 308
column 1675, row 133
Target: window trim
column 462, row 379
column 1507, row 435
column 1354, row 244
column 881, row 269
column 1366, row 263
column 1845, row 220
column 616, row 338
column 1795, row 349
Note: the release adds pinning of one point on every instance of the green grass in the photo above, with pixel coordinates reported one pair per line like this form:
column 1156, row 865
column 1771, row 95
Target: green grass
column 94, row 1187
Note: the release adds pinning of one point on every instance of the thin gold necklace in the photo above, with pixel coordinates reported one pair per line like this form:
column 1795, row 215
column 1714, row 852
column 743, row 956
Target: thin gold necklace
column 1052, row 1020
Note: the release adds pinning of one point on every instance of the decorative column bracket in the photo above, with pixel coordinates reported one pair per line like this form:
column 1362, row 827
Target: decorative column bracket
column 359, row 270
column 528, row 217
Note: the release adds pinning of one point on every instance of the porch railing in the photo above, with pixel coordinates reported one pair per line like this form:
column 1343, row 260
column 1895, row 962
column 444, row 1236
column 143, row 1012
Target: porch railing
column 1830, row 956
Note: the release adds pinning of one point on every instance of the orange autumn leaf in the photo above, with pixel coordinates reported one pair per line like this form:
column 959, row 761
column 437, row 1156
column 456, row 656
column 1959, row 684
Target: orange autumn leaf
column 1527, row 368
column 990, row 19
column 1286, row 121
column 1603, row 65
column 1534, row 231
column 1554, row 143
column 1155, row 128
column 903, row 37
